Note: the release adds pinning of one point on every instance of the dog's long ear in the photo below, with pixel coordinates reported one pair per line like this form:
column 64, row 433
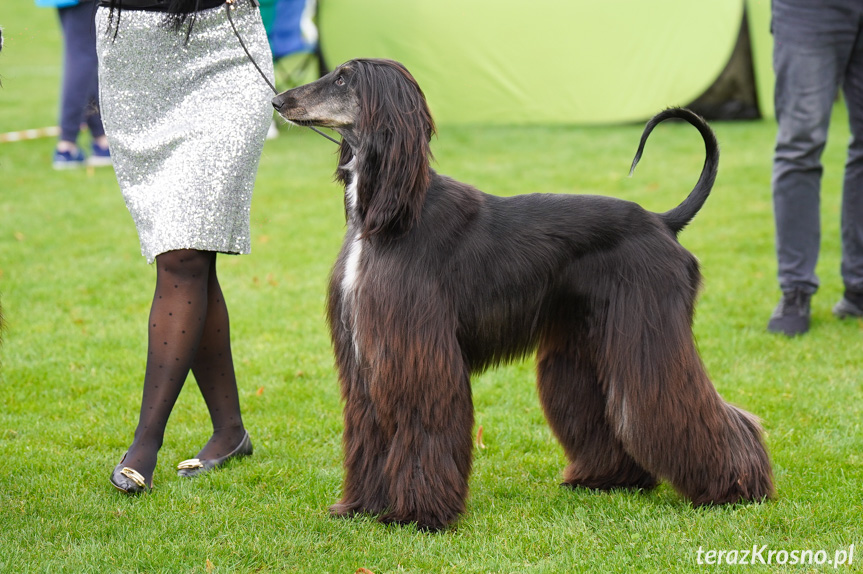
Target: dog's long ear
column 396, row 127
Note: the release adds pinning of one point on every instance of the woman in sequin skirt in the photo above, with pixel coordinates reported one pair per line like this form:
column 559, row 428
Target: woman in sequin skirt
column 186, row 114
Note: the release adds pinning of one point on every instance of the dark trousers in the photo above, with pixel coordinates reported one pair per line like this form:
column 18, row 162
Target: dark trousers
column 818, row 48
column 79, row 99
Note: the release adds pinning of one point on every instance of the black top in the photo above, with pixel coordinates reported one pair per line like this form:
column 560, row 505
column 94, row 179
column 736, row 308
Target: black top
column 156, row 5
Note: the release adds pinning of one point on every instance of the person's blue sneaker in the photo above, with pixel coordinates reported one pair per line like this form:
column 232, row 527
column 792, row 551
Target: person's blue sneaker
column 100, row 157
column 68, row 159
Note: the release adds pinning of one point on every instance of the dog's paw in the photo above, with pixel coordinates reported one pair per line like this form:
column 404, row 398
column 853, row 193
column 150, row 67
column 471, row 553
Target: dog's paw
column 347, row 509
column 628, row 476
column 423, row 523
column 344, row 509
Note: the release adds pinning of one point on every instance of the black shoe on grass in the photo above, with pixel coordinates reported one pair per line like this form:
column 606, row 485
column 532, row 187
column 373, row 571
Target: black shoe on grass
column 851, row 305
column 791, row 316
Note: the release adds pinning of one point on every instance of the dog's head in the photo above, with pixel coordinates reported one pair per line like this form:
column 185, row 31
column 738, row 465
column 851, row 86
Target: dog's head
column 359, row 98
column 330, row 102
column 381, row 113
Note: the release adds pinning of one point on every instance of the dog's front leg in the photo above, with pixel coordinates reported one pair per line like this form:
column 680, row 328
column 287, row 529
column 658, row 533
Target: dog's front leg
column 420, row 387
column 365, row 441
column 365, row 446
column 429, row 459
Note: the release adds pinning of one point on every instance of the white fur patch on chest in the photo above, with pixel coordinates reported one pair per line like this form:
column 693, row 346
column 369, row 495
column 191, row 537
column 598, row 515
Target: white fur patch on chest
column 355, row 249
column 352, row 265
column 351, row 279
column 351, row 191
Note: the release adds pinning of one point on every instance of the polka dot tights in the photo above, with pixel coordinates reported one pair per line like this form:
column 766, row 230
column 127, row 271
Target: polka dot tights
column 188, row 330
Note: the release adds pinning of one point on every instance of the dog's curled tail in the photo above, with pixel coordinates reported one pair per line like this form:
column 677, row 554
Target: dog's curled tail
column 680, row 216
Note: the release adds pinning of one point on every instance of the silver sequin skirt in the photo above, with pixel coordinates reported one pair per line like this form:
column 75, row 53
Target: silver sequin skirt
column 186, row 124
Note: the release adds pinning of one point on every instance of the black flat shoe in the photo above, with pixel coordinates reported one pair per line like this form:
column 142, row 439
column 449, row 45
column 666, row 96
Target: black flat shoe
column 196, row 466
column 129, row 480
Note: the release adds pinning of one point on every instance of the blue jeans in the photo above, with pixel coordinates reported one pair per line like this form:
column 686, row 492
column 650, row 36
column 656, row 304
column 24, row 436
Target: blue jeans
column 79, row 99
column 816, row 51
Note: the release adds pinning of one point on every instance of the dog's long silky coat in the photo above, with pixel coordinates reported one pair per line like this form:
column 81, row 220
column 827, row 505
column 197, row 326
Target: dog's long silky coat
column 437, row 280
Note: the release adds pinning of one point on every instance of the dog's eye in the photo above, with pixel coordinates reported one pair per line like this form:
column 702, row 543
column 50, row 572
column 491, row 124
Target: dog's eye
column 340, row 81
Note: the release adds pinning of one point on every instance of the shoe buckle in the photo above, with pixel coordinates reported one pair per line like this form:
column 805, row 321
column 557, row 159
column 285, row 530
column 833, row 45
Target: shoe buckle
column 190, row 464
column 134, row 476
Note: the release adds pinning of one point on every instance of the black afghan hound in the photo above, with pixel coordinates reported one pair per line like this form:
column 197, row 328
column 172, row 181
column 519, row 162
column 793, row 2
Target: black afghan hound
column 437, row 280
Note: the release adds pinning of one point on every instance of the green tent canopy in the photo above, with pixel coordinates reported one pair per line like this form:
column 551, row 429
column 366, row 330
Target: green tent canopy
column 555, row 61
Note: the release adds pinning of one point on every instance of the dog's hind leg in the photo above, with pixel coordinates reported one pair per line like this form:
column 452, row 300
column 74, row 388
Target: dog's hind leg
column 662, row 406
column 574, row 405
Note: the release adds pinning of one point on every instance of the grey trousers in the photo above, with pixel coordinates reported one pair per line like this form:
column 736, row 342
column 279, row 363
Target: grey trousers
column 816, row 51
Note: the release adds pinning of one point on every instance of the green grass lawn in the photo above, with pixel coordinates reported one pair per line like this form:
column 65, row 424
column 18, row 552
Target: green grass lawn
column 76, row 294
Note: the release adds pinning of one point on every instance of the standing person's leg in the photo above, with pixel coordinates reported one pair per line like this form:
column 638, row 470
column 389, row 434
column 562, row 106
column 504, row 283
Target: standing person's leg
column 175, row 328
column 807, row 78
column 188, row 329
column 101, row 154
column 852, row 189
column 79, row 78
column 213, row 368
column 89, row 64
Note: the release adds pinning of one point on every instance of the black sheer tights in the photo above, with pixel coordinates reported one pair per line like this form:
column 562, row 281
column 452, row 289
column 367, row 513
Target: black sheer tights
column 188, row 330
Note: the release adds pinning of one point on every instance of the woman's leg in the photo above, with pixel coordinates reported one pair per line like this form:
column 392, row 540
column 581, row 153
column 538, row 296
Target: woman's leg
column 213, row 367
column 177, row 319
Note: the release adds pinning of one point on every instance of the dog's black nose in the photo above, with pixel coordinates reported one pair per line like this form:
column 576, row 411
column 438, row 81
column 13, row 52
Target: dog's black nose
column 281, row 102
